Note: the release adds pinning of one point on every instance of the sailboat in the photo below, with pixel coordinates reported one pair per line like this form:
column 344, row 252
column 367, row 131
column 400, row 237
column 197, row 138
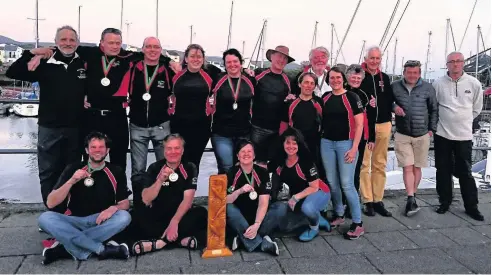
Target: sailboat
column 27, row 109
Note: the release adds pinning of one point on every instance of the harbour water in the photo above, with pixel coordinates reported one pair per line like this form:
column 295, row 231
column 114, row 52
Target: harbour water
column 19, row 173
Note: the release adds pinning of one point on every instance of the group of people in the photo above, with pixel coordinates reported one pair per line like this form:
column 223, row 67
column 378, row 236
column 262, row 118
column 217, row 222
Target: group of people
column 287, row 146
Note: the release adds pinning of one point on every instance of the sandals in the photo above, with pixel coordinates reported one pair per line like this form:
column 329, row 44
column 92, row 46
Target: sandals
column 141, row 246
column 189, row 244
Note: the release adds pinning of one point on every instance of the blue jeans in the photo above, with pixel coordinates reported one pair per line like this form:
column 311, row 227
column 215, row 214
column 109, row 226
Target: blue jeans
column 81, row 236
column 313, row 204
column 238, row 223
column 224, row 152
column 139, row 144
column 341, row 174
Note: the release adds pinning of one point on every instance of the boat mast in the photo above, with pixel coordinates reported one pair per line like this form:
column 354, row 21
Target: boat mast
column 427, row 56
column 478, row 51
column 313, row 43
column 347, row 31
column 157, row 18
column 448, row 24
column 263, row 38
column 230, row 27
column 394, row 61
column 331, row 50
column 362, row 50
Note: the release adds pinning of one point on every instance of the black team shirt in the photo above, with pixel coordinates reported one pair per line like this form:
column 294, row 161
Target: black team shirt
column 304, row 115
column 262, row 186
column 338, row 115
column 165, row 205
column 228, row 122
column 110, row 187
column 270, row 93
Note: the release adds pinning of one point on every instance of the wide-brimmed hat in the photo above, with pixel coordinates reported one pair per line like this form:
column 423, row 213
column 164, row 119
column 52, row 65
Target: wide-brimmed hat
column 279, row 49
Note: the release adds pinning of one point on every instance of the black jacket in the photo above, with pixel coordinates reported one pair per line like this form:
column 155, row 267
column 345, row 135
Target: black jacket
column 62, row 88
column 153, row 112
column 378, row 86
column 420, row 107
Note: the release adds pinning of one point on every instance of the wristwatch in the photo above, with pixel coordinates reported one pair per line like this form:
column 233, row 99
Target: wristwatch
column 294, row 198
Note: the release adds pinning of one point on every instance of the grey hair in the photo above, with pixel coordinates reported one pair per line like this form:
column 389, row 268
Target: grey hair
column 173, row 137
column 145, row 40
column 455, row 52
column 372, row 48
column 350, row 71
column 66, row 27
column 319, row 49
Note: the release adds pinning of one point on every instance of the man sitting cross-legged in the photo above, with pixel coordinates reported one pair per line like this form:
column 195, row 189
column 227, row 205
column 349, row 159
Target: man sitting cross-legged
column 166, row 217
column 95, row 195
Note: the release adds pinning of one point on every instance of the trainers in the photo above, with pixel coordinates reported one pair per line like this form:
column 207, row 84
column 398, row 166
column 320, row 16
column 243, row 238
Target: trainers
column 355, row 231
column 379, row 208
column 115, row 252
column 235, row 243
column 475, row 214
column 269, row 246
column 308, row 235
column 369, row 209
column 337, row 221
column 324, row 224
column 411, row 208
column 55, row 252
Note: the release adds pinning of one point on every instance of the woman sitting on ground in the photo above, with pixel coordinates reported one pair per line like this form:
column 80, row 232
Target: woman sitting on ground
column 166, row 216
column 295, row 168
column 248, row 213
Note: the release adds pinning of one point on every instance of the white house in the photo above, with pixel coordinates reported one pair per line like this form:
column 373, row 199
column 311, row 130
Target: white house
column 10, row 53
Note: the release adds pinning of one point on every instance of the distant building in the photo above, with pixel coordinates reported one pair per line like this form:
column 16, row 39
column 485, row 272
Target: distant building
column 131, row 48
column 174, row 55
column 10, row 53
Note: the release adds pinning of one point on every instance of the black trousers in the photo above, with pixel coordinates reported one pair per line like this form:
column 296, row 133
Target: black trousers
column 115, row 125
column 196, row 135
column 145, row 226
column 313, row 143
column 57, row 148
column 454, row 157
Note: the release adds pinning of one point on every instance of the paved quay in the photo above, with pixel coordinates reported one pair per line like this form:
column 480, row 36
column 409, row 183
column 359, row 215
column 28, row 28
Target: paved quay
column 425, row 243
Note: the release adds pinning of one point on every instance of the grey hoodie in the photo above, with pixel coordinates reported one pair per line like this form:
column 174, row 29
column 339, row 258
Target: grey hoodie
column 459, row 102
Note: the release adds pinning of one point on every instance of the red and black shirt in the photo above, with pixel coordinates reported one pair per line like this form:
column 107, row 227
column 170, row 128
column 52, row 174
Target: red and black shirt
column 298, row 176
column 191, row 93
column 228, row 122
column 153, row 112
column 110, row 187
column 304, row 115
column 236, row 179
column 338, row 115
column 103, row 97
column 270, row 92
column 171, row 194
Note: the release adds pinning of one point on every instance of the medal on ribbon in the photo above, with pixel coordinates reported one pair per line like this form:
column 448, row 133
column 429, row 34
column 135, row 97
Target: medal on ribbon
column 148, row 82
column 89, row 181
column 235, row 92
column 106, row 68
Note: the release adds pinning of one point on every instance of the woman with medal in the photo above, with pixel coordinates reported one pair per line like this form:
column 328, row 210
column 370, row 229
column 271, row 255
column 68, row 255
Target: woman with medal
column 189, row 104
column 249, row 216
column 342, row 131
column 309, row 195
column 166, row 216
column 233, row 96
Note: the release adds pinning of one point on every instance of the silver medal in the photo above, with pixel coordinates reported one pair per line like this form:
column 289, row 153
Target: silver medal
column 173, row 177
column 253, row 195
column 146, row 96
column 105, row 81
column 88, row 182
column 234, row 106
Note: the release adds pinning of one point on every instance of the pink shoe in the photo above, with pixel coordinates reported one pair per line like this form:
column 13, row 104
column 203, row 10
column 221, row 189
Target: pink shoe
column 355, row 231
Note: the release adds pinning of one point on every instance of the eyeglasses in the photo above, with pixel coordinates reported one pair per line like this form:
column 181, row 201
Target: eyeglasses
column 412, row 63
column 155, row 47
column 455, row 61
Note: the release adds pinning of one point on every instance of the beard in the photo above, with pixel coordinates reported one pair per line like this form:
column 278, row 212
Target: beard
column 97, row 160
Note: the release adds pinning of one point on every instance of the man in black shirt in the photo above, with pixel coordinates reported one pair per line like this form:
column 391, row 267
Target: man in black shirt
column 62, row 80
column 165, row 214
column 272, row 87
column 148, row 85
column 95, row 197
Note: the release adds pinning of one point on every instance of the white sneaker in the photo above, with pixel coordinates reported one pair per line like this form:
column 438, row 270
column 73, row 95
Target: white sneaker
column 235, row 243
